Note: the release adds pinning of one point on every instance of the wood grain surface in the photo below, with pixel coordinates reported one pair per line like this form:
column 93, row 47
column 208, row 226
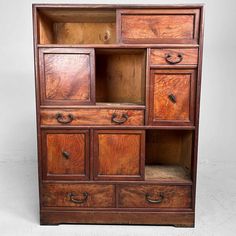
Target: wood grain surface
column 177, row 83
column 118, row 154
column 66, row 76
column 99, row 195
column 92, row 116
column 155, row 26
column 120, row 75
column 189, row 56
column 173, row 196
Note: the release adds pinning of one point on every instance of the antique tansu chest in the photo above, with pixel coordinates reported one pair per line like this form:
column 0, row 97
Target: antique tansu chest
column 117, row 95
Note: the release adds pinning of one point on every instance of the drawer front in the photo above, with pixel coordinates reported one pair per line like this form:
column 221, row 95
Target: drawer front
column 187, row 56
column 159, row 26
column 65, row 154
column 172, row 96
column 66, row 76
column 154, row 196
column 119, row 154
column 78, row 195
column 91, row 116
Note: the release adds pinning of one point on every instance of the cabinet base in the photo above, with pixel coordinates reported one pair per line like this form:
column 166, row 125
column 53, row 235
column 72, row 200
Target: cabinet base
column 177, row 219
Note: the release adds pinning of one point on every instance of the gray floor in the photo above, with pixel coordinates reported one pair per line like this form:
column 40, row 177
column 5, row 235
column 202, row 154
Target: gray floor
column 216, row 205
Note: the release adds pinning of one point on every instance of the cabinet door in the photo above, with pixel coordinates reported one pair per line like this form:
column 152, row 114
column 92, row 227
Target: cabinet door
column 172, row 95
column 66, row 76
column 65, row 154
column 119, row 154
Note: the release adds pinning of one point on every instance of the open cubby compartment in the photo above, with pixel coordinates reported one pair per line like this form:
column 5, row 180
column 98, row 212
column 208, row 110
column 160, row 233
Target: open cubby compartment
column 120, row 76
column 168, row 155
column 76, row 26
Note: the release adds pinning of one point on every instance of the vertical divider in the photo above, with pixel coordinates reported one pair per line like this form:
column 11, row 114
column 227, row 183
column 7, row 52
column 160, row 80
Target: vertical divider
column 118, row 26
column 91, row 156
column 147, row 89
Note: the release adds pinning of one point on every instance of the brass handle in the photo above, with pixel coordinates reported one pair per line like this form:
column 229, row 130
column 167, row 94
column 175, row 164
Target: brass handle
column 169, row 58
column 155, row 201
column 60, row 118
column 72, row 198
column 65, row 154
column 172, row 98
column 121, row 120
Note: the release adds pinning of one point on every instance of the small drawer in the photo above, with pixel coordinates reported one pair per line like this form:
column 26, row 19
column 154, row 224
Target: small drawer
column 92, row 116
column 159, row 25
column 78, row 195
column 154, row 196
column 185, row 56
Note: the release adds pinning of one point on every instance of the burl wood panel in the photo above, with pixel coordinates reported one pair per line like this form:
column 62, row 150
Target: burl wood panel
column 134, row 196
column 189, row 56
column 156, row 26
column 169, row 148
column 99, row 196
column 85, row 33
column 120, row 76
column 92, row 116
column 118, row 153
column 66, row 76
column 179, row 84
column 66, row 155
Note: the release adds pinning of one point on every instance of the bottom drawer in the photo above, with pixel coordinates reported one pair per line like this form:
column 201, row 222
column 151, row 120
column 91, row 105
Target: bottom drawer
column 78, row 195
column 154, row 196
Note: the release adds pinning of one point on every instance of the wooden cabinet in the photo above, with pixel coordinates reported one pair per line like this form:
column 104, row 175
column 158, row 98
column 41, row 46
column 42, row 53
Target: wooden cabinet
column 118, row 97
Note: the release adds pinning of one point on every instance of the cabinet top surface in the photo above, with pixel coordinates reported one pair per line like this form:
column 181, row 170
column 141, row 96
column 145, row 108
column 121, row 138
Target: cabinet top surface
column 199, row 5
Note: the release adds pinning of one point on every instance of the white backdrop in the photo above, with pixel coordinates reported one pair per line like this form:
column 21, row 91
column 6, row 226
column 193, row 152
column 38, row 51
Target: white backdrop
column 17, row 95
column 216, row 194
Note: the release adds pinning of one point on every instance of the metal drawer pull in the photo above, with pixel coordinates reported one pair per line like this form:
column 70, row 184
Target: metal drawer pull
column 60, row 118
column 72, row 198
column 65, row 154
column 122, row 120
column 155, row 201
column 169, row 56
column 172, row 98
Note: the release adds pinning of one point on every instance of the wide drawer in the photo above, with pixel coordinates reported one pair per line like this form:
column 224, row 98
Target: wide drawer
column 78, row 195
column 154, row 196
column 184, row 56
column 91, row 116
column 159, row 26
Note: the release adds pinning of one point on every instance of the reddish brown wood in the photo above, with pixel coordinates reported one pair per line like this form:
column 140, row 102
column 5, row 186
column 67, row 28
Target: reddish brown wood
column 66, row 154
column 174, row 38
column 102, row 196
column 118, row 154
column 155, row 196
column 67, row 76
column 178, row 219
column 177, row 83
column 159, row 26
column 184, row 56
column 93, row 116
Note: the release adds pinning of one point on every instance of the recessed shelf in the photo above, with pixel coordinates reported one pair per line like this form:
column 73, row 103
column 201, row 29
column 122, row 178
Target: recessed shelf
column 77, row 26
column 167, row 173
column 168, row 155
column 120, row 76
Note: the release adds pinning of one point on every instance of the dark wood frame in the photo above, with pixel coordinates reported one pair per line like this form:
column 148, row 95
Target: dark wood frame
column 115, row 216
column 119, row 177
column 45, row 174
column 174, row 71
column 87, row 51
